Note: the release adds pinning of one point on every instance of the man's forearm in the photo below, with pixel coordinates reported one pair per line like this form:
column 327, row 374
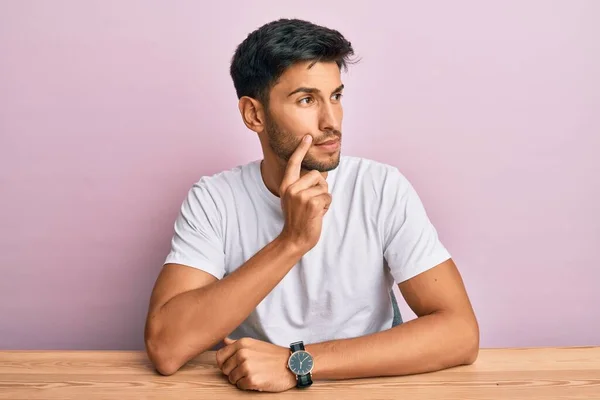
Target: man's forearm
column 429, row 343
column 194, row 321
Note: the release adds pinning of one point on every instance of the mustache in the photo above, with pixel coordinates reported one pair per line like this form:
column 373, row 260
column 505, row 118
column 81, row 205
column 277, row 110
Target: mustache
column 330, row 135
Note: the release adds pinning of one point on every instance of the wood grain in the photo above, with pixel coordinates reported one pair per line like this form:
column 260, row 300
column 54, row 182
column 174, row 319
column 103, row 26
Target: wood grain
column 533, row 373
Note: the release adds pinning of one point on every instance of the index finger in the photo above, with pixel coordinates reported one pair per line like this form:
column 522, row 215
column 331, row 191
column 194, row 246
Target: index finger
column 292, row 171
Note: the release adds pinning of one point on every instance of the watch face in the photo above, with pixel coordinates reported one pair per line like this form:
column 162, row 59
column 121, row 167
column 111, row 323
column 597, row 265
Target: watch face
column 301, row 363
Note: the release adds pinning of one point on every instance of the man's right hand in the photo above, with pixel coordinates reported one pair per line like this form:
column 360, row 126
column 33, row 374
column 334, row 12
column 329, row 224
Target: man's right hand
column 304, row 201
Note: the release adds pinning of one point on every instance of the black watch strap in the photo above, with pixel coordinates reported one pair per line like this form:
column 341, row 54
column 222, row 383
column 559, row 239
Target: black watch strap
column 297, row 346
column 303, row 380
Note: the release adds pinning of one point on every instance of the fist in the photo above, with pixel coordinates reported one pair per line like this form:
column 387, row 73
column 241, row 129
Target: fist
column 252, row 364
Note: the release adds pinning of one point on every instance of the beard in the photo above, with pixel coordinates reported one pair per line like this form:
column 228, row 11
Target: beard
column 284, row 144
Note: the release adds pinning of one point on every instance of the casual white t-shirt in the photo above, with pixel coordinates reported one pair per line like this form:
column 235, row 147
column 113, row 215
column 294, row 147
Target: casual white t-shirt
column 376, row 232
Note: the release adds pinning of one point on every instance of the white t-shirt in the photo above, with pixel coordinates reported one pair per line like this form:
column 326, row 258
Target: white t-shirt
column 375, row 232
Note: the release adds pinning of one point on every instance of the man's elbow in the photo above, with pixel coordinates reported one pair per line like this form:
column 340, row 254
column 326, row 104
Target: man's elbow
column 161, row 355
column 161, row 358
column 471, row 344
column 166, row 357
column 165, row 368
column 471, row 355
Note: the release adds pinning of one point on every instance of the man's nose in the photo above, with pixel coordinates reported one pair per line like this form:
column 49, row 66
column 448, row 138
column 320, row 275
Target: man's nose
column 328, row 120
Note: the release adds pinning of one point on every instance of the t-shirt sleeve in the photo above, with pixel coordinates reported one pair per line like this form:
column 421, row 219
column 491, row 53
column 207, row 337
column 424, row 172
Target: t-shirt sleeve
column 411, row 242
column 197, row 241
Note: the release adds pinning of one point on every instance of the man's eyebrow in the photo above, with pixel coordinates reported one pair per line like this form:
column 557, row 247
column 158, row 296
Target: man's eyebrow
column 313, row 90
column 338, row 89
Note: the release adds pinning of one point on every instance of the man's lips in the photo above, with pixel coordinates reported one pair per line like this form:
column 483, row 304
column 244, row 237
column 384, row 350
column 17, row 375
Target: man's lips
column 333, row 141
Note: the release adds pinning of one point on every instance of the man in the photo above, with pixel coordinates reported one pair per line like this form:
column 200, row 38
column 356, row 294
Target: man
column 290, row 260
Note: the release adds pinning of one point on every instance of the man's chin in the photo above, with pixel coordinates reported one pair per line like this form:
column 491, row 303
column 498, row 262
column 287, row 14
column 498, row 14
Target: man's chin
column 321, row 166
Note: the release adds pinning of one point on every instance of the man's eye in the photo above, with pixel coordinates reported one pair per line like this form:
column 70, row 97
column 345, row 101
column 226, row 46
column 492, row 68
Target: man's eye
column 305, row 100
column 337, row 96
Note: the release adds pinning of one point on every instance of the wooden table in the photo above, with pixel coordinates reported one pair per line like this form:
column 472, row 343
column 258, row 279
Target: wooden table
column 544, row 373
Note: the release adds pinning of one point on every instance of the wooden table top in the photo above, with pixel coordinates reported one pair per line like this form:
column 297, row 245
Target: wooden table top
column 532, row 373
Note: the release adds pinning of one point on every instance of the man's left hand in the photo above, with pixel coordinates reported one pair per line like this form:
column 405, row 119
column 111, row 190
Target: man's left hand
column 253, row 364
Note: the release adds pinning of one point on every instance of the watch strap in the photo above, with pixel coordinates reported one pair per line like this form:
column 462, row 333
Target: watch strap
column 303, row 380
column 297, row 346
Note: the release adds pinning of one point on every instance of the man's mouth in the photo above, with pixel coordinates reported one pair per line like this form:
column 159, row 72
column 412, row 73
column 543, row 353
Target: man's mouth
column 328, row 142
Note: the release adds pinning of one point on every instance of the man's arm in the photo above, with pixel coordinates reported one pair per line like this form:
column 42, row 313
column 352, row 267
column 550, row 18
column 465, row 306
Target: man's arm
column 183, row 323
column 191, row 311
column 444, row 335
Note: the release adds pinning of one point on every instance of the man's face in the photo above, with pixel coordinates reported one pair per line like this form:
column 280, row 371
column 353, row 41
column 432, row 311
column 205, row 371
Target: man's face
column 307, row 101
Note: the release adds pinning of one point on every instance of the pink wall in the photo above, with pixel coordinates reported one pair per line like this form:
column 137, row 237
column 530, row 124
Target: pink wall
column 109, row 111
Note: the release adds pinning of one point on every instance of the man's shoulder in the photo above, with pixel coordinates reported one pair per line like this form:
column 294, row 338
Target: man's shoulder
column 228, row 178
column 216, row 190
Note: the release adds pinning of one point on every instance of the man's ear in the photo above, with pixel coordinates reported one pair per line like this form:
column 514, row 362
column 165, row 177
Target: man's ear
column 252, row 113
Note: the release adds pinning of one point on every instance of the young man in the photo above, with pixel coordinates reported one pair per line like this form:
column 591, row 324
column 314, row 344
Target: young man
column 290, row 260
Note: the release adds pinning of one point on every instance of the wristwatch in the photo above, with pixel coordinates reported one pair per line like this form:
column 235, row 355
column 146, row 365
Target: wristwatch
column 301, row 364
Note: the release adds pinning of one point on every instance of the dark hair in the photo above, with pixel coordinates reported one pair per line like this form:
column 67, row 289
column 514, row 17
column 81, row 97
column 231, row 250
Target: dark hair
column 267, row 52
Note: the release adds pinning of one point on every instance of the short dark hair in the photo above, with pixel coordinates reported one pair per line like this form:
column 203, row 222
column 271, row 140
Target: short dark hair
column 266, row 53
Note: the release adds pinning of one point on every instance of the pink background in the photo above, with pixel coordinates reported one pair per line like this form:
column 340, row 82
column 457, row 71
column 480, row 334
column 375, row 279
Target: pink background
column 109, row 111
